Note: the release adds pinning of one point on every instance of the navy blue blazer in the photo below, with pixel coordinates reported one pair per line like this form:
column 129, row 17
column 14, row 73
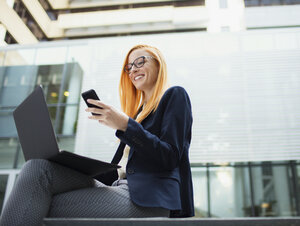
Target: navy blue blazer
column 158, row 168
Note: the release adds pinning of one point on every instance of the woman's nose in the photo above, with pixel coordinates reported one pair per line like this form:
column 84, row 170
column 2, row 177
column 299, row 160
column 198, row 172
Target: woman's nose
column 134, row 69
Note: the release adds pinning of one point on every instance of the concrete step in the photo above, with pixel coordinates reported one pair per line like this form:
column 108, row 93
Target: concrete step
column 253, row 221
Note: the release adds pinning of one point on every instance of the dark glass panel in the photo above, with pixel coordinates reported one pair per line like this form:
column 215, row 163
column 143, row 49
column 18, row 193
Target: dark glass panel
column 52, row 112
column 8, row 148
column 72, row 83
column 16, row 83
column 50, row 77
column 7, row 128
column 3, row 182
column 67, row 121
column 272, row 190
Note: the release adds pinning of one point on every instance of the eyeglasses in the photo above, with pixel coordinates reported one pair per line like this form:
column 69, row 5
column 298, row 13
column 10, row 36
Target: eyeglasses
column 138, row 63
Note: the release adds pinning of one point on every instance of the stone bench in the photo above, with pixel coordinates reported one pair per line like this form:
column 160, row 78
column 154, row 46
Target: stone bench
column 253, row 221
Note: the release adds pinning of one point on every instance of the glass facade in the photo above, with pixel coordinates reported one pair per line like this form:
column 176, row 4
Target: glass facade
column 20, row 72
column 63, row 99
column 9, row 152
column 244, row 108
column 261, row 189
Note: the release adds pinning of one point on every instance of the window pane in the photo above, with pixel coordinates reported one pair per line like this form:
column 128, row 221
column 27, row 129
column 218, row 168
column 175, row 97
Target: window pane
column 67, row 120
column 8, row 148
column 66, row 143
column 78, row 63
column 50, row 77
column 223, row 4
column 20, row 57
column 7, row 128
column 272, row 190
column 21, row 159
column 72, row 83
column 3, row 182
column 200, row 191
column 16, row 83
column 231, row 185
column 52, row 112
column 52, row 55
column 80, row 55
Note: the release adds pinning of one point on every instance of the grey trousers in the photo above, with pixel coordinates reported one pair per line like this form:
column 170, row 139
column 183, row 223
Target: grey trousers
column 46, row 189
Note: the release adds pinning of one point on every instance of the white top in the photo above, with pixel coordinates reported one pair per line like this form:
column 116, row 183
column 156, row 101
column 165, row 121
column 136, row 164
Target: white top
column 123, row 163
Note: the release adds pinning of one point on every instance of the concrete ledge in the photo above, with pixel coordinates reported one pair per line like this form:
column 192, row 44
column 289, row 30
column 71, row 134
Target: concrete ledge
column 253, row 221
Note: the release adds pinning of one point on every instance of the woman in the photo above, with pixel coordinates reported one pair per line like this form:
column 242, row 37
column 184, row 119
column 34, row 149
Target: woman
column 155, row 179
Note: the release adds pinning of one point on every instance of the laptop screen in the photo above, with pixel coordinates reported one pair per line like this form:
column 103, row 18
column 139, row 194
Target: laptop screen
column 34, row 127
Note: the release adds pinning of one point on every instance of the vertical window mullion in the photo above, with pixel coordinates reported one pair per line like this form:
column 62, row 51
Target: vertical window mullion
column 60, row 95
column 295, row 186
column 251, row 190
column 208, row 190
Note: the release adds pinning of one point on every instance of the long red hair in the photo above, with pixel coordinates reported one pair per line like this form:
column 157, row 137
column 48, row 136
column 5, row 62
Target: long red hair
column 131, row 98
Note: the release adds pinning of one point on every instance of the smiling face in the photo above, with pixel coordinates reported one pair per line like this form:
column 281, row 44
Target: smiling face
column 144, row 77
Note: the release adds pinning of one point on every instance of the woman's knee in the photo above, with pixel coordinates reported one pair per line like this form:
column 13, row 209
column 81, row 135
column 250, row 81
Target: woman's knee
column 35, row 168
column 36, row 163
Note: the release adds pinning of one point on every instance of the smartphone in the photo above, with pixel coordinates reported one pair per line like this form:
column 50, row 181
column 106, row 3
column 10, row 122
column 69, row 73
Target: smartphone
column 90, row 94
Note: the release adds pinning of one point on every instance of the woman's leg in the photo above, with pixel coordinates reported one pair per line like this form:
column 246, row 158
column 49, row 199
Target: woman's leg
column 99, row 202
column 31, row 196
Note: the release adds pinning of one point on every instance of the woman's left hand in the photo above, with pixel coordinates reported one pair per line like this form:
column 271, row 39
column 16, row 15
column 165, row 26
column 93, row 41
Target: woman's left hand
column 109, row 116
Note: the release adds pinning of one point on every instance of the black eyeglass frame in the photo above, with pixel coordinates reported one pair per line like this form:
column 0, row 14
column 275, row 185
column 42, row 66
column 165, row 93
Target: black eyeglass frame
column 135, row 63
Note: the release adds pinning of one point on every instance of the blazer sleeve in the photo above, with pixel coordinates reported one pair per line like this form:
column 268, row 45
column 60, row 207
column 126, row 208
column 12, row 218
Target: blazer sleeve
column 175, row 131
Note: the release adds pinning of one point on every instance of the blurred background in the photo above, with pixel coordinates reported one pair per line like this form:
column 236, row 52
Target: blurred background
column 239, row 60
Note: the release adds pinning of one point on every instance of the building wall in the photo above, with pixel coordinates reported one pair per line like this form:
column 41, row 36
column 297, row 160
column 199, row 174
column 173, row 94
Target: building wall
column 244, row 89
column 272, row 16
